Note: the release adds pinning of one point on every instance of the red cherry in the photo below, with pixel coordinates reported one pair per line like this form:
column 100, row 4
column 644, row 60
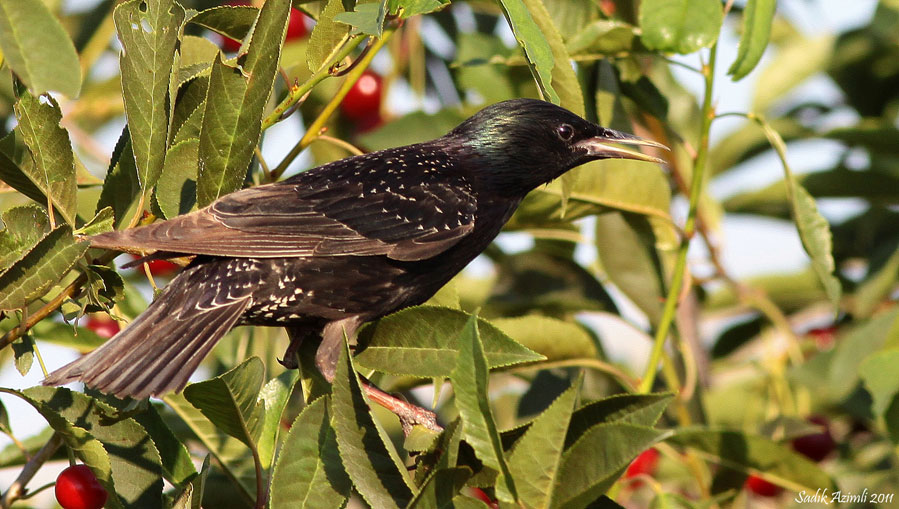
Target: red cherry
column 479, row 494
column 363, row 101
column 761, row 487
column 645, row 463
column 816, row 446
column 296, row 25
column 825, row 337
column 78, row 488
column 103, row 326
column 158, row 267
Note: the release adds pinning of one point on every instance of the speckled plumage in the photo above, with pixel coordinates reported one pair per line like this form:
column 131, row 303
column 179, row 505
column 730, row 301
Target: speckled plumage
column 339, row 245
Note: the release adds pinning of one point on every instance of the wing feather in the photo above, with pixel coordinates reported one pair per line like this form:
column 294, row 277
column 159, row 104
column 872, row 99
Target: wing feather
column 358, row 206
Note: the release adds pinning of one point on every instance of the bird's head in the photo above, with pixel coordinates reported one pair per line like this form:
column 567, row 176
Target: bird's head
column 523, row 143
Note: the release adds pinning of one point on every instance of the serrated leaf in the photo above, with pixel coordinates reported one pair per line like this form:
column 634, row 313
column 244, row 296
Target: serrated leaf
column 745, row 452
column 229, row 400
column 592, row 464
column 233, row 21
column 235, row 102
column 536, row 48
column 121, row 186
column 440, row 490
column 326, row 35
column 680, row 26
column 40, row 269
column 309, row 472
column 233, row 455
column 53, row 171
column 176, row 460
column 757, row 18
column 23, row 227
column 176, row 192
column 37, row 48
column 102, row 222
column 424, row 341
column 366, row 18
column 470, row 378
column 608, row 37
column 148, row 30
column 813, row 228
column 367, row 453
column 15, row 177
column 23, row 351
column 553, row 338
column 534, row 463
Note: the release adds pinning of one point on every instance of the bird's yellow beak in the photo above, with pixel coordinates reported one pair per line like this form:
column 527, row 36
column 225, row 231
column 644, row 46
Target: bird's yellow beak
column 606, row 146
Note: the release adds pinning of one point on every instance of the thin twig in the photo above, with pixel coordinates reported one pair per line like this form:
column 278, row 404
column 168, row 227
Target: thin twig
column 17, row 488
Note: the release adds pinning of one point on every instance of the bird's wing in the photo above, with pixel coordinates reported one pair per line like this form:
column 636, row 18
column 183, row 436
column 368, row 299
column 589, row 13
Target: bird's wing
column 360, row 210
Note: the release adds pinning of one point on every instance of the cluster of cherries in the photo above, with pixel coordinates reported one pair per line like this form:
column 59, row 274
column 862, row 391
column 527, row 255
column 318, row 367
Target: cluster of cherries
column 814, row 446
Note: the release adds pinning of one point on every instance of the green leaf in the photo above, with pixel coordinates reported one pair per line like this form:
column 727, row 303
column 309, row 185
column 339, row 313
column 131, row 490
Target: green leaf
column 233, row 455
column 564, row 79
column 23, row 227
column 440, row 491
column 814, row 231
column 309, row 472
column 415, row 127
column 367, row 453
column 469, row 379
column 757, row 18
column 134, row 459
column 176, row 460
column 37, row 48
column 53, row 168
column 553, row 338
column 235, row 102
column 424, row 341
column 15, row 177
column 229, row 400
column 121, row 186
column 593, row 463
column 606, row 37
column 537, row 49
column 637, row 409
column 273, row 396
column 23, row 351
column 415, row 7
column 534, row 463
column 680, row 26
column 233, row 21
column 367, row 18
column 857, row 345
column 750, row 453
column 103, row 222
column 149, row 33
column 878, row 372
column 40, row 269
column 85, row 447
column 626, row 247
column 326, row 35
column 104, row 287
column 176, row 192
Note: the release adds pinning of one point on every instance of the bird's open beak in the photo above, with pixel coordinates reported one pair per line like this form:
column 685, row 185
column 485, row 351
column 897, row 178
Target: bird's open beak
column 606, row 146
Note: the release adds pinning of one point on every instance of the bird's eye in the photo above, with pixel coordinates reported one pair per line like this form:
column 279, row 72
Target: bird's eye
column 565, row 132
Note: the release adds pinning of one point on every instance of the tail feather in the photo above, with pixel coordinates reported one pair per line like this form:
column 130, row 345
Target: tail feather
column 159, row 351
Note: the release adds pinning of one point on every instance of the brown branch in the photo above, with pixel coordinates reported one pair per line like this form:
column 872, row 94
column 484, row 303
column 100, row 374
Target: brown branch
column 17, row 488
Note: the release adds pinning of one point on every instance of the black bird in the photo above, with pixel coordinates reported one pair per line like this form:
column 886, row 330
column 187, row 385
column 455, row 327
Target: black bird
column 334, row 247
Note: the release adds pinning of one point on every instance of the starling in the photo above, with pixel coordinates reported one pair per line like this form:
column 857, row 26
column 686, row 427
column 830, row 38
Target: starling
column 327, row 250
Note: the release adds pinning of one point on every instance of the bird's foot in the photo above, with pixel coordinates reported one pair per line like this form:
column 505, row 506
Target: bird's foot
column 409, row 414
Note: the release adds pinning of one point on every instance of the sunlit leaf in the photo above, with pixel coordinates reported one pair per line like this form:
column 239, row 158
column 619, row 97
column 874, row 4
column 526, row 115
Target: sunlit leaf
column 37, row 48
column 757, row 18
column 680, row 26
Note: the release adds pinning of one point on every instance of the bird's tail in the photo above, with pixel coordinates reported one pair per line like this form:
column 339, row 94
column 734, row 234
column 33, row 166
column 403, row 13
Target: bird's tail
column 159, row 351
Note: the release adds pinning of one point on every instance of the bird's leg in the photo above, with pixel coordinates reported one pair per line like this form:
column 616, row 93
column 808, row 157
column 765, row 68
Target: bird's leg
column 326, row 361
column 290, row 354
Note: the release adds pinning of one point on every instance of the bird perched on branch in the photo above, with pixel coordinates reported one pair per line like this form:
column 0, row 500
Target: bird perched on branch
column 327, row 250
